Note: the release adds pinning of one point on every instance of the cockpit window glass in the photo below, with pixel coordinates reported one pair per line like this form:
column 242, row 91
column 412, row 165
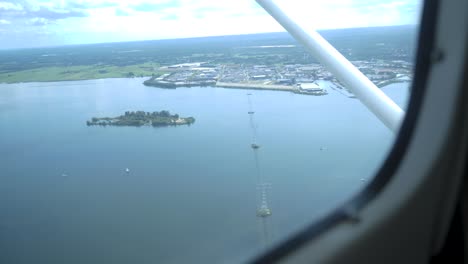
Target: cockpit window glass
column 185, row 131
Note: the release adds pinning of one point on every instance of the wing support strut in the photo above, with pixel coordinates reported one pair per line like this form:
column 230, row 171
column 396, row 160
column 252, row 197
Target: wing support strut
column 367, row 92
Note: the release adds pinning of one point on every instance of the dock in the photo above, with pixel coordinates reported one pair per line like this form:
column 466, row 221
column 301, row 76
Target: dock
column 254, row 86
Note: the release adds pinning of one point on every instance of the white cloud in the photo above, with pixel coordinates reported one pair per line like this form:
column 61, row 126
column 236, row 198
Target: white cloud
column 347, row 13
column 90, row 21
column 4, row 22
column 7, row 6
column 39, row 21
column 190, row 18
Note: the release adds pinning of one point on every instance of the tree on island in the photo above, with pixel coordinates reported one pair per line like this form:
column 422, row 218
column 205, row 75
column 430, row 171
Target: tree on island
column 141, row 118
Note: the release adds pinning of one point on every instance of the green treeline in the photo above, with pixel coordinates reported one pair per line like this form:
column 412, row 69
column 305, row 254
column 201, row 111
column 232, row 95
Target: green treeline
column 141, row 118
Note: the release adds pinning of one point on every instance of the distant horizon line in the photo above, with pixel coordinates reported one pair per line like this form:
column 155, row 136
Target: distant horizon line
column 187, row 38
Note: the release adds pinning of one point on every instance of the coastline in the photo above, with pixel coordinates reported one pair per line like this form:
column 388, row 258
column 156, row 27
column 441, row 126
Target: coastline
column 249, row 86
column 73, row 80
column 227, row 85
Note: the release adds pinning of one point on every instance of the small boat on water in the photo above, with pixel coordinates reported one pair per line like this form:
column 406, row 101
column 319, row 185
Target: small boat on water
column 255, row 146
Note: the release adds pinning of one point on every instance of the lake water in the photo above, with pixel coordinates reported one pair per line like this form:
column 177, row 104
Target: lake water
column 191, row 194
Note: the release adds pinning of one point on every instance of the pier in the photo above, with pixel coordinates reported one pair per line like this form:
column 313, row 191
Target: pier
column 255, row 86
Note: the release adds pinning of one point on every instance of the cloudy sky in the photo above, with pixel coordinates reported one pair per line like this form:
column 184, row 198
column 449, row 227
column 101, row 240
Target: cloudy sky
column 28, row 23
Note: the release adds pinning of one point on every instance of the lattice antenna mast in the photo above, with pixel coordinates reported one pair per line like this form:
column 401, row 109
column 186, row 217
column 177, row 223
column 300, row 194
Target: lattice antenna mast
column 263, row 209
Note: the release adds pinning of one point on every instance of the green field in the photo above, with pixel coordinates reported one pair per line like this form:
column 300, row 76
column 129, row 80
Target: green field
column 85, row 72
column 143, row 58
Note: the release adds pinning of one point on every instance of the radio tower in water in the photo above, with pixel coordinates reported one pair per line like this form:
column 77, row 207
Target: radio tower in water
column 263, row 210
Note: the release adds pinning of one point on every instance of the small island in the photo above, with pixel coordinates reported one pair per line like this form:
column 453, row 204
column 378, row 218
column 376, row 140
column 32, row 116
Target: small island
column 142, row 118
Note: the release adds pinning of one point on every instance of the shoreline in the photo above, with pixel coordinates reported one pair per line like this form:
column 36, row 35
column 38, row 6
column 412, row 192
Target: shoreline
column 74, row 80
column 227, row 85
column 249, row 86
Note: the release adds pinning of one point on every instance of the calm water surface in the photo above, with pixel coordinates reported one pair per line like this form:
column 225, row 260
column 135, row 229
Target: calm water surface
column 191, row 194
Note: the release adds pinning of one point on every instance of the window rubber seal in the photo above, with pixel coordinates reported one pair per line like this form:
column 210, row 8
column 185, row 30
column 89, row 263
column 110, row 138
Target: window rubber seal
column 348, row 210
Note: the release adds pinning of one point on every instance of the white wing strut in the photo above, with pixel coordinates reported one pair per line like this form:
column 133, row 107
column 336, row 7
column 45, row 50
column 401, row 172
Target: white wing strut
column 370, row 95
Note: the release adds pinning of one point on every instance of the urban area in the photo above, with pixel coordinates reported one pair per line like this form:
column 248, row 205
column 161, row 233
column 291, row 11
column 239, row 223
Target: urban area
column 297, row 78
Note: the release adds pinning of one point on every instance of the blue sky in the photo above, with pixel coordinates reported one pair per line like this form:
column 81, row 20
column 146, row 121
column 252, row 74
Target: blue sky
column 27, row 23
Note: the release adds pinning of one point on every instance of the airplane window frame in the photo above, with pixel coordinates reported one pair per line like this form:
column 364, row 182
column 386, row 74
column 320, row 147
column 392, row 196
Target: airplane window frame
column 349, row 210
